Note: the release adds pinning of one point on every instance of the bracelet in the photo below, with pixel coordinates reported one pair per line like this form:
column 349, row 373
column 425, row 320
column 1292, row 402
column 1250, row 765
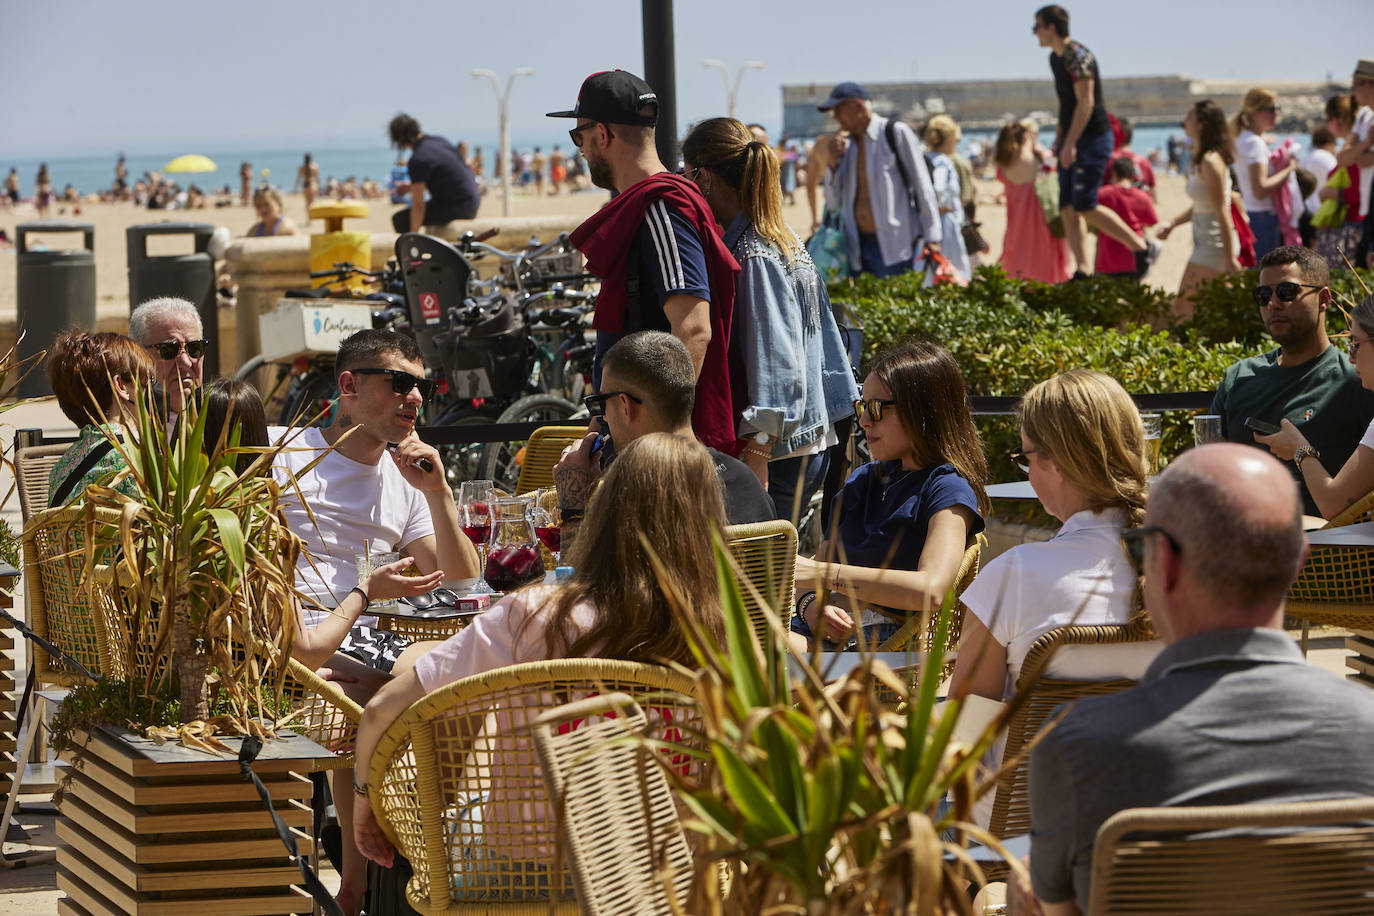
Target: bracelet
column 360, row 789
column 804, row 603
column 1305, row 451
column 766, row 455
column 367, row 602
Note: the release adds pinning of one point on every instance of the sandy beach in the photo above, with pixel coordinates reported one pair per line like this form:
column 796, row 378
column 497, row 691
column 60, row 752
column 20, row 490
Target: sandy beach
column 111, row 221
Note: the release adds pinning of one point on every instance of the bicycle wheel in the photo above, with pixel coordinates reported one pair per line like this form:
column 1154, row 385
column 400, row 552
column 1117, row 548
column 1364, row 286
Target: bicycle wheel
column 310, row 399
column 462, row 461
column 501, row 460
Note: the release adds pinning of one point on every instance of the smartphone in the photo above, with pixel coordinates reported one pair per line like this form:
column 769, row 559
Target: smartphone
column 1263, row 427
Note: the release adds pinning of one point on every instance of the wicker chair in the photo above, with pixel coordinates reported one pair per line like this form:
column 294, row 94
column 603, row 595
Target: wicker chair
column 542, row 451
column 32, row 470
column 1011, row 805
column 615, row 810
column 420, row 629
column 1362, row 510
column 767, row 555
column 457, row 787
column 1304, row 857
column 912, row 638
column 1334, row 588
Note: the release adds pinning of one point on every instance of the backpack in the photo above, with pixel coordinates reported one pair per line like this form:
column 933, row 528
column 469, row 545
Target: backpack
column 890, row 132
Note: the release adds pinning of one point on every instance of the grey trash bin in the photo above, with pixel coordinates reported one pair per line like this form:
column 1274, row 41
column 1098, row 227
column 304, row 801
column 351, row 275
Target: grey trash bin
column 186, row 276
column 56, row 291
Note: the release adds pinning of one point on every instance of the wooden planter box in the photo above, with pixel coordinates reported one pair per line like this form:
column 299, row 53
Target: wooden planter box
column 149, row 829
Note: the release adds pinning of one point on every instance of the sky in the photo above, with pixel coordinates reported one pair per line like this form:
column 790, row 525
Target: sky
column 85, row 77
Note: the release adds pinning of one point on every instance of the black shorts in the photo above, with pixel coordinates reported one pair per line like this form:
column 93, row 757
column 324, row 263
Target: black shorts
column 375, row 648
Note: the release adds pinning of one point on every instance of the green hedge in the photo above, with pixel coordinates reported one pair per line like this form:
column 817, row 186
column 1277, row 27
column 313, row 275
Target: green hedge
column 1007, row 334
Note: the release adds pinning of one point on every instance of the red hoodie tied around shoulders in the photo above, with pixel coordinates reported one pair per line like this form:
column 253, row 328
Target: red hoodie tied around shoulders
column 607, row 237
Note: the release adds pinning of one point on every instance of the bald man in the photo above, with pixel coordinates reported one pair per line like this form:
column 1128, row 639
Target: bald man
column 1229, row 712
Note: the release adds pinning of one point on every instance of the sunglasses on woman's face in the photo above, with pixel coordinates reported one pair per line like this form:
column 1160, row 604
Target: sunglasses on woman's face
column 169, row 349
column 873, row 407
column 403, row 382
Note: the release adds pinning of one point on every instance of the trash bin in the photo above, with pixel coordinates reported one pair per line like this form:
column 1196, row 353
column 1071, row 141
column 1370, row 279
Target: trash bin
column 56, row 291
column 186, row 276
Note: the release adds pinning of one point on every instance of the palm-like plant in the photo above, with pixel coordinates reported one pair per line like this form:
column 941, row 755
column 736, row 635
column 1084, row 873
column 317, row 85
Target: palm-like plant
column 204, row 561
column 826, row 798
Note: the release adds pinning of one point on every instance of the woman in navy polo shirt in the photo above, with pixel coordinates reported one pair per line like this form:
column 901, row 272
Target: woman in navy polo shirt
column 904, row 519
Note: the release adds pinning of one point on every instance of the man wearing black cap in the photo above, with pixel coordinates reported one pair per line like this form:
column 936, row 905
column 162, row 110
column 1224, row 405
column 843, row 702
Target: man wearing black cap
column 655, row 246
column 882, row 184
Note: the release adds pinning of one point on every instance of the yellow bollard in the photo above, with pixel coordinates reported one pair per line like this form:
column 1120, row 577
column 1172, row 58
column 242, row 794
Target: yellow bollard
column 334, row 245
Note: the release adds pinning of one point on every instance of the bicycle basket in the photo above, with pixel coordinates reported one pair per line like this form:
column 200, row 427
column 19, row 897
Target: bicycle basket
column 537, row 271
column 490, row 358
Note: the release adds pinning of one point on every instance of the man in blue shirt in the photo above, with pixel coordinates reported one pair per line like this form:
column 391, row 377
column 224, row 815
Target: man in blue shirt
column 437, row 169
column 879, row 176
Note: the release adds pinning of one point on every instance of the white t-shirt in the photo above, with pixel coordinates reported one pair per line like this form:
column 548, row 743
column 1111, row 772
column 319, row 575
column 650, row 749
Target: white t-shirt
column 351, row 503
column 1080, row 576
column 1368, row 440
column 1320, row 163
column 1364, row 122
column 1251, row 149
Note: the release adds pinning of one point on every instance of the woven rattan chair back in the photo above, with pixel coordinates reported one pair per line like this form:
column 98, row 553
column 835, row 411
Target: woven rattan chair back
column 458, row 789
column 767, row 555
column 1361, row 510
column 32, row 470
column 914, row 637
column 621, row 834
column 1011, row 806
column 323, row 713
column 66, row 609
column 1335, row 587
column 1305, row 857
column 542, row 451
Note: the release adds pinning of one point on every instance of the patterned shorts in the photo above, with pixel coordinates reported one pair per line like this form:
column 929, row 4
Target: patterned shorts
column 375, row 648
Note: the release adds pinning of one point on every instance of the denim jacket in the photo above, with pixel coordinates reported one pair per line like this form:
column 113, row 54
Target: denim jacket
column 797, row 376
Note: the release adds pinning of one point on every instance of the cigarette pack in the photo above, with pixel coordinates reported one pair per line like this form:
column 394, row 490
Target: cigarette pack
column 473, row 602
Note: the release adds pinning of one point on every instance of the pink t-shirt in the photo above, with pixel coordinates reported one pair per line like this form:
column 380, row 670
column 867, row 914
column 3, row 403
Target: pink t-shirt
column 495, row 639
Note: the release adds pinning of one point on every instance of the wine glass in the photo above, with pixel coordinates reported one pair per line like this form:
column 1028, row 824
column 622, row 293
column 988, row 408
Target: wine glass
column 474, row 508
column 548, row 522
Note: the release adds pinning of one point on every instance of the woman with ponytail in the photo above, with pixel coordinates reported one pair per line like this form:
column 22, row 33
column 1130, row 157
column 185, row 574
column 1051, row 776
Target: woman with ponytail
column 796, row 377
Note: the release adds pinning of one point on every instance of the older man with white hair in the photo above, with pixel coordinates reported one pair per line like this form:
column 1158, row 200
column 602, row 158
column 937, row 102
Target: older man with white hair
column 170, row 327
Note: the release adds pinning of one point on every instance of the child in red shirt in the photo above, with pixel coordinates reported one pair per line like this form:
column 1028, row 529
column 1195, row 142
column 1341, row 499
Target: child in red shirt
column 1136, row 209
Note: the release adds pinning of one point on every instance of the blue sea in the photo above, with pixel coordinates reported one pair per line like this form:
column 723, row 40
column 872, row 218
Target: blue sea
column 92, row 173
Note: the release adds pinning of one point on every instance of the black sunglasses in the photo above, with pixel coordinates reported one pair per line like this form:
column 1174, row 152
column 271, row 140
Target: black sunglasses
column 874, row 407
column 1287, row 291
column 169, row 349
column 596, row 403
column 402, row 382
column 440, row 597
column 1133, row 539
column 576, row 133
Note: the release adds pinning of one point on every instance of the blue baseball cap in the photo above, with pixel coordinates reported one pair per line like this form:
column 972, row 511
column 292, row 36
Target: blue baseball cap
column 841, row 92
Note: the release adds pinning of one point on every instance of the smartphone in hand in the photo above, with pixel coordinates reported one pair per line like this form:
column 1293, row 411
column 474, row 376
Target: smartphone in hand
column 1263, row 427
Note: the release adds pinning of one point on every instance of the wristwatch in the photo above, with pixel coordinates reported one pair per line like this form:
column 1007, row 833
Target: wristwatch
column 1305, row 451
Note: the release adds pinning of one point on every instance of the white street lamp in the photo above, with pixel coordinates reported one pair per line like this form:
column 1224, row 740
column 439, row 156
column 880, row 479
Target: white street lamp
column 502, row 101
column 732, row 89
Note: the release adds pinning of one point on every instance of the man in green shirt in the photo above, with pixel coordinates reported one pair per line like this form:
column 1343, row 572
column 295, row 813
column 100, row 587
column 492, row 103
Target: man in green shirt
column 1306, row 379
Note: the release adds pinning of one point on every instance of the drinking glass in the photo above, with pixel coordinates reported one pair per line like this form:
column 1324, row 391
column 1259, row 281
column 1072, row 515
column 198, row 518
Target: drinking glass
column 370, row 561
column 548, row 521
column 1154, row 428
column 474, row 510
column 513, row 553
column 1207, row 429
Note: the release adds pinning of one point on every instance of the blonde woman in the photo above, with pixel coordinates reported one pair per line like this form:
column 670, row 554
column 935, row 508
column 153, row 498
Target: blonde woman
column 942, row 138
column 1258, row 114
column 269, row 205
column 797, row 378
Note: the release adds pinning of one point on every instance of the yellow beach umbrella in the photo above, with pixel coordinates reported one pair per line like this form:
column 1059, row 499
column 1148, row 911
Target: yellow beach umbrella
column 192, row 162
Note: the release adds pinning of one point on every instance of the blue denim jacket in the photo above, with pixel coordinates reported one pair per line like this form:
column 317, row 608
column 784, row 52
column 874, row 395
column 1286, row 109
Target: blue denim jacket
column 797, row 376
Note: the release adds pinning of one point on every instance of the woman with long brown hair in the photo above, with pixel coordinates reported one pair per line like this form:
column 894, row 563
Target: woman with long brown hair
column 1029, row 248
column 661, row 493
column 797, row 378
column 1215, row 247
column 904, row 520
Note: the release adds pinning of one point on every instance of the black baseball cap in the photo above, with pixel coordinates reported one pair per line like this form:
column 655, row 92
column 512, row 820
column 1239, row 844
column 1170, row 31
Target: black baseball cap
column 846, row 90
column 613, row 97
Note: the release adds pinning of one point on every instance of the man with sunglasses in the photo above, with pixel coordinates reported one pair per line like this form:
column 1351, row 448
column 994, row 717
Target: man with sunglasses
column 171, row 330
column 369, row 488
column 1229, row 712
column 647, row 386
column 655, row 246
column 1305, row 379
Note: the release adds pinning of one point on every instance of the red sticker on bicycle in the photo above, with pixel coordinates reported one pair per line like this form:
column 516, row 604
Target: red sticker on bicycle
column 429, row 306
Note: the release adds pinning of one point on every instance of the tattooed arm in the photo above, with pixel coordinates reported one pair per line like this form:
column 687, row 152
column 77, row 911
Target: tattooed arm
column 575, row 476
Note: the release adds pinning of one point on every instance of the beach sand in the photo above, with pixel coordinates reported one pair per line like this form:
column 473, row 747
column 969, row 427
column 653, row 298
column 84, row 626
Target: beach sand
column 111, row 221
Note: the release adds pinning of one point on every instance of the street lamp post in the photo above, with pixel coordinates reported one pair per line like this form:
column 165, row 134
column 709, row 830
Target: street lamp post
column 732, row 89
column 502, row 100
